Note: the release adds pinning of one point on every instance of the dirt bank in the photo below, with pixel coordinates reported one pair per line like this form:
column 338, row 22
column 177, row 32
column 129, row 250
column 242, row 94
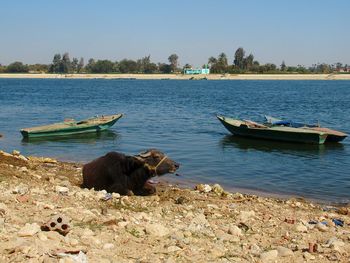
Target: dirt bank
column 176, row 225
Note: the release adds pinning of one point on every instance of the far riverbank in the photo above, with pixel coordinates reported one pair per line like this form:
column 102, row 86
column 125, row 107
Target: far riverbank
column 183, row 77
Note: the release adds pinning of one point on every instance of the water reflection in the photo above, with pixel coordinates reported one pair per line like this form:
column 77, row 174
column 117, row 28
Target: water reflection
column 84, row 138
column 244, row 143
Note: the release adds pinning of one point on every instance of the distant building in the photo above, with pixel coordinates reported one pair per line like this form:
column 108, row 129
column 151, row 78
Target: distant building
column 190, row 71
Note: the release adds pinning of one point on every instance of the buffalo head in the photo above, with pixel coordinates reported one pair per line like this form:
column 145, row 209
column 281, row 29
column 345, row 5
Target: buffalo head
column 157, row 162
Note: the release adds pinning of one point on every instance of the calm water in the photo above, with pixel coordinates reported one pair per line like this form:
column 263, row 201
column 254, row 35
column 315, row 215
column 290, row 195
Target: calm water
column 178, row 117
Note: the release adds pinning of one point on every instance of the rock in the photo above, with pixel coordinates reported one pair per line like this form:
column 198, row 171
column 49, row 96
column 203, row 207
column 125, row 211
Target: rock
column 321, row 227
column 53, row 235
column 187, row 233
column 300, row 228
column 308, row 256
column 22, row 157
column 203, row 188
column 72, row 258
column 61, row 189
column 3, row 209
column 115, row 195
column 123, row 223
column 217, row 252
column 125, row 201
column 65, row 183
column 101, row 194
column 284, row 252
column 199, row 224
column 87, row 232
column 269, row 256
column 111, row 220
column 335, row 244
column 255, row 250
column 108, row 246
column 244, row 216
column 16, row 153
column 235, row 230
column 42, row 236
column 21, row 189
column 173, row 249
column 23, row 169
column 2, row 223
column 49, row 160
column 217, row 189
column 73, row 242
column 156, row 229
column 29, row 230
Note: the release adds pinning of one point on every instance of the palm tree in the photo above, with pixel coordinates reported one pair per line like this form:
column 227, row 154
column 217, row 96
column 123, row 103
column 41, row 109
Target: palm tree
column 173, row 61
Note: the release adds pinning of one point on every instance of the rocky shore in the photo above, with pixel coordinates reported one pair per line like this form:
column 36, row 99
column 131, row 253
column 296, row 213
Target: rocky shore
column 41, row 195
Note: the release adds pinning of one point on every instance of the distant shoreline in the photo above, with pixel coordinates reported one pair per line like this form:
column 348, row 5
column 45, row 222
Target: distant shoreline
column 181, row 76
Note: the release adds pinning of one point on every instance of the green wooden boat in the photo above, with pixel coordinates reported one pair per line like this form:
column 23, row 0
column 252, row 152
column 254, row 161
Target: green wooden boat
column 279, row 133
column 69, row 127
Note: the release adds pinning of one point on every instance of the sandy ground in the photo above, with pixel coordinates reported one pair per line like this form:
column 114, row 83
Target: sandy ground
column 185, row 77
column 174, row 225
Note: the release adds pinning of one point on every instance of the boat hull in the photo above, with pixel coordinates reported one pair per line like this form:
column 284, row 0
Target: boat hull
column 333, row 135
column 69, row 129
column 275, row 133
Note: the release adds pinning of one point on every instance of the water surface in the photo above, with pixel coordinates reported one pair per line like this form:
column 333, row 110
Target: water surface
column 178, row 117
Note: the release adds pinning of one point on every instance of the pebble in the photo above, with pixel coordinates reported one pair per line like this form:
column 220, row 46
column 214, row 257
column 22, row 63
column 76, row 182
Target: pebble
column 29, row 230
column 73, row 242
column 108, row 246
column 61, row 189
column 22, row 158
column 21, row 189
column 173, row 249
column 269, row 256
column 284, row 252
column 115, row 195
column 123, row 223
column 42, row 236
column 301, row 228
column 16, row 153
column 244, row 216
column 308, row 256
column 235, row 230
column 156, row 229
column 203, row 188
column 255, row 250
column 87, row 232
column 125, row 201
column 217, row 189
column 49, row 160
column 23, row 169
column 53, row 235
column 321, row 227
column 101, row 194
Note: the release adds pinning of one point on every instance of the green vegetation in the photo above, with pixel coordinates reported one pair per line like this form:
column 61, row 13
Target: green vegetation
column 242, row 64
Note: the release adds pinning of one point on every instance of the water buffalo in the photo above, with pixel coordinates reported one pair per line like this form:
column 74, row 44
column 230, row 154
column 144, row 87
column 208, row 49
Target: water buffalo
column 123, row 174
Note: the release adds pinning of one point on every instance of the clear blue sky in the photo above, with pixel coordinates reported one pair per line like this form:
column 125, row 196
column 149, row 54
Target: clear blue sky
column 297, row 31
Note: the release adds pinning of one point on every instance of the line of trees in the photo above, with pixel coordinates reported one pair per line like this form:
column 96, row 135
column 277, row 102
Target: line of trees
column 246, row 64
column 63, row 64
column 241, row 64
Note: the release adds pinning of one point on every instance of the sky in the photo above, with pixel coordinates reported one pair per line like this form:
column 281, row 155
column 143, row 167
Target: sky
column 295, row 31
